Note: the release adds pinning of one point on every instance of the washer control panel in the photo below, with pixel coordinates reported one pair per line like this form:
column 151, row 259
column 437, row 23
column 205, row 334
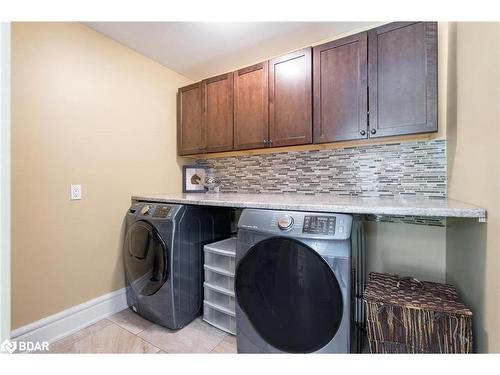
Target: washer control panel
column 162, row 211
column 154, row 210
column 315, row 224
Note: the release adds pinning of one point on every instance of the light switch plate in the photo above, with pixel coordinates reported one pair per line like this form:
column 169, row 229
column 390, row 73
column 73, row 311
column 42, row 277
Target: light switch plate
column 76, row 192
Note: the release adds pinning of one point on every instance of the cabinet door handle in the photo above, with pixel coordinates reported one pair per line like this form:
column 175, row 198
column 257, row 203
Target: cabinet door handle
column 373, row 131
column 362, row 132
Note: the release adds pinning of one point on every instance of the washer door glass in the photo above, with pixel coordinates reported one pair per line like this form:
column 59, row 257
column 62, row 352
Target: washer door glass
column 290, row 295
column 145, row 256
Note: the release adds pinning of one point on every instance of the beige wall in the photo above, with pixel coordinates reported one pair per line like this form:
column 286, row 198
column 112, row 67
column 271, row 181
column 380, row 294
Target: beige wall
column 85, row 110
column 405, row 249
column 472, row 249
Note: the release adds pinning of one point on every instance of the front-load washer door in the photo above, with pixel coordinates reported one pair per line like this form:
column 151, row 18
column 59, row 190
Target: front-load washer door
column 290, row 295
column 146, row 258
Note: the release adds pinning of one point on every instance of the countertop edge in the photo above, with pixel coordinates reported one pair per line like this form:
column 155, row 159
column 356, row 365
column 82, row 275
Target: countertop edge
column 472, row 213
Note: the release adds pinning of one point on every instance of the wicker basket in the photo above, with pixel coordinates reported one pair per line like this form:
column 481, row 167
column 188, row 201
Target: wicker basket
column 404, row 315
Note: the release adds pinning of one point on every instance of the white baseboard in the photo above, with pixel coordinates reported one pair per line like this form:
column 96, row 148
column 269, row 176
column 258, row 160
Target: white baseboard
column 64, row 323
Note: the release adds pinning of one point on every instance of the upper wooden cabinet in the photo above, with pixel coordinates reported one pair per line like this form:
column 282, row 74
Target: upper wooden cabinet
column 190, row 135
column 217, row 116
column 205, row 116
column 251, row 125
column 290, row 99
column 402, row 64
column 340, row 89
column 378, row 83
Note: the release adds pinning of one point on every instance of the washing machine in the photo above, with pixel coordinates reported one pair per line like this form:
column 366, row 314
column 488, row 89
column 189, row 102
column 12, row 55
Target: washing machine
column 163, row 258
column 298, row 282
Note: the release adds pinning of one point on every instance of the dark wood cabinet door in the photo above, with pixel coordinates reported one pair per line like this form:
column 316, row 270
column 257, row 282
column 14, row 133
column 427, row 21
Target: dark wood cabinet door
column 218, row 113
column 290, row 99
column 251, row 125
column 189, row 120
column 340, row 89
column 402, row 63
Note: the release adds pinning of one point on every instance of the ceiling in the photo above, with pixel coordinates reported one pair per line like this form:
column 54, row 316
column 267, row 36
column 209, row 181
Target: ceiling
column 202, row 49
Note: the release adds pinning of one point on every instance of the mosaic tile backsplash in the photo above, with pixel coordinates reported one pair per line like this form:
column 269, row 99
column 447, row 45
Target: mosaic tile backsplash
column 408, row 169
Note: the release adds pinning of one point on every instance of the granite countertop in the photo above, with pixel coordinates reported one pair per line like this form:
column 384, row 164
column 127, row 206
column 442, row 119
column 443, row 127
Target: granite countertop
column 411, row 206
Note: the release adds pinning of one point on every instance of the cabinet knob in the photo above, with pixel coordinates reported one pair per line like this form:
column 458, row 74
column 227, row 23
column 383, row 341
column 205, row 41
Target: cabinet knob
column 373, row 131
column 362, row 132
column 265, row 141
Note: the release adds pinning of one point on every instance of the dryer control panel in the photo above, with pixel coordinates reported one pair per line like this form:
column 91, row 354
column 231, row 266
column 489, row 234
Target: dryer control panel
column 319, row 225
column 313, row 225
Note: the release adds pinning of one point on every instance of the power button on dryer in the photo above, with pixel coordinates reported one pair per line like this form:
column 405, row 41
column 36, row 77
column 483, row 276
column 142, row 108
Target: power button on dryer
column 285, row 222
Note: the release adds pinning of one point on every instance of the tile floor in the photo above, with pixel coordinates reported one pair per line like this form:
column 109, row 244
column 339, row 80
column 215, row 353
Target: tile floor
column 127, row 332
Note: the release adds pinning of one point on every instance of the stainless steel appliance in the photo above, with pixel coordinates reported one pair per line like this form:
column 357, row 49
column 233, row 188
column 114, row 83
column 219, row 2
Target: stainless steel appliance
column 163, row 257
column 298, row 282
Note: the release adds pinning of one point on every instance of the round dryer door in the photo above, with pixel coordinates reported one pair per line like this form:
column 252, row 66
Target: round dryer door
column 145, row 256
column 290, row 295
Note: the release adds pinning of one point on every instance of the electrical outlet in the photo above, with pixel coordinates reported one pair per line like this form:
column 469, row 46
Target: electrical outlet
column 76, row 192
